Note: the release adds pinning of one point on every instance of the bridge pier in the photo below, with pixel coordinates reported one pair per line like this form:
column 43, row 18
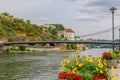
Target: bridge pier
column 62, row 46
column 82, row 47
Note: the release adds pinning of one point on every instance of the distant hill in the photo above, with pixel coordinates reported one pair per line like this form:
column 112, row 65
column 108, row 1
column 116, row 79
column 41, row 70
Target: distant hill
column 16, row 29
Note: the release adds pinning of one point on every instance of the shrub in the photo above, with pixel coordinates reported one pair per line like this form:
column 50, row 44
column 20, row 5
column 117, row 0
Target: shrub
column 22, row 47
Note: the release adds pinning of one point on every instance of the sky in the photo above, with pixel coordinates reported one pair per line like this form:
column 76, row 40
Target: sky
column 83, row 16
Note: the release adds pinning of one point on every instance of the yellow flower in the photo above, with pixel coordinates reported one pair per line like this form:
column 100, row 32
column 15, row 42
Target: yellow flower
column 77, row 63
column 63, row 64
column 113, row 76
column 70, row 57
column 99, row 60
column 112, row 67
column 97, row 69
column 89, row 60
column 100, row 65
column 99, row 57
column 77, row 51
column 80, row 65
column 76, row 60
column 104, row 60
column 74, row 70
column 64, row 60
column 68, row 61
column 104, row 63
column 101, row 71
column 110, row 53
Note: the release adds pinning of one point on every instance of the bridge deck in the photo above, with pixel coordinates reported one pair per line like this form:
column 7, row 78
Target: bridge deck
column 40, row 42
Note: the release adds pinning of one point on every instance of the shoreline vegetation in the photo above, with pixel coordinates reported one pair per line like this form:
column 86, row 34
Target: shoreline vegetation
column 30, row 49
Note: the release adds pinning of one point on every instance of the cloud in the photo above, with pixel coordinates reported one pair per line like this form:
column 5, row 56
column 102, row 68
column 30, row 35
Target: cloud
column 105, row 3
column 98, row 6
column 94, row 10
column 91, row 9
column 87, row 18
column 71, row 0
column 43, row 19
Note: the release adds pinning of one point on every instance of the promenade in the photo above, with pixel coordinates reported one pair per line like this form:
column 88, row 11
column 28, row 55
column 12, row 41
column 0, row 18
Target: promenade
column 117, row 72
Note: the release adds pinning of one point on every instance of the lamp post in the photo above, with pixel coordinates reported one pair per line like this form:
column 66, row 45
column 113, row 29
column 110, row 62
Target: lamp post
column 119, row 39
column 112, row 9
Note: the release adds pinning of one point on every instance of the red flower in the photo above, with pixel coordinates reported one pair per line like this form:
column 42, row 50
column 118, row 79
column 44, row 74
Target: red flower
column 70, row 75
column 106, row 54
column 78, row 78
column 98, row 77
column 65, row 75
column 62, row 75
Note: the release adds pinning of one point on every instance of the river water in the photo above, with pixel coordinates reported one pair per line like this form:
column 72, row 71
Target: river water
column 35, row 66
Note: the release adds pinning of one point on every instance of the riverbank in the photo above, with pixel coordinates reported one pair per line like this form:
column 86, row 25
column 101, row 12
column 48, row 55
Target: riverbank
column 61, row 48
column 44, row 49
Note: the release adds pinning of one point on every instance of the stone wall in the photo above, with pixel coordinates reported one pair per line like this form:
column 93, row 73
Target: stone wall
column 80, row 47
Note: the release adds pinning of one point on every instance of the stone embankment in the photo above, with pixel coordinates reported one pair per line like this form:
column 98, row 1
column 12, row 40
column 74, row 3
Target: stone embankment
column 60, row 48
column 80, row 47
column 37, row 49
column 44, row 49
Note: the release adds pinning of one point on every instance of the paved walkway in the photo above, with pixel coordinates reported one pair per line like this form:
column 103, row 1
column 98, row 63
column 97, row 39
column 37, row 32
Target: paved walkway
column 117, row 72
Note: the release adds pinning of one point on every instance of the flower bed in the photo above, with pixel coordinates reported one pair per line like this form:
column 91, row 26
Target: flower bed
column 111, row 58
column 84, row 68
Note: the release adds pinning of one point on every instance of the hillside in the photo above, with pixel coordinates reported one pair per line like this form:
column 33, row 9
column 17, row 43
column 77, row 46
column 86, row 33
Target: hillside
column 16, row 29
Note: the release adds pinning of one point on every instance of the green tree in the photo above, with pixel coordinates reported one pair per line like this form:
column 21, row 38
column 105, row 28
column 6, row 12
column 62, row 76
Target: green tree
column 22, row 47
column 5, row 14
column 10, row 39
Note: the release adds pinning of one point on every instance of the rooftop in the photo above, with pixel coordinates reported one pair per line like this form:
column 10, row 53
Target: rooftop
column 69, row 30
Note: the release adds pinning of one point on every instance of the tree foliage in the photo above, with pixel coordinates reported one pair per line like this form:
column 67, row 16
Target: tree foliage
column 11, row 27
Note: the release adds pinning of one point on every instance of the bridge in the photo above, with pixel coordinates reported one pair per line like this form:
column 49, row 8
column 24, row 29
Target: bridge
column 103, row 34
column 71, row 42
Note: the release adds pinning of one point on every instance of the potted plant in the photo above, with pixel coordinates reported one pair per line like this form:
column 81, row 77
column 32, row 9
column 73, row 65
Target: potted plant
column 84, row 68
column 111, row 58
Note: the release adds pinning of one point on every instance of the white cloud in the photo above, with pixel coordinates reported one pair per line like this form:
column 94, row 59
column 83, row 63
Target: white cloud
column 87, row 17
column 43, row 19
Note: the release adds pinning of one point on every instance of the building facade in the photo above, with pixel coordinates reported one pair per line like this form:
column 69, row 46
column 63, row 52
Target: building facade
column 67, row 34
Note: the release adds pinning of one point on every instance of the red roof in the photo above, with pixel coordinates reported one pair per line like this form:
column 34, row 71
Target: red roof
column 69, row 30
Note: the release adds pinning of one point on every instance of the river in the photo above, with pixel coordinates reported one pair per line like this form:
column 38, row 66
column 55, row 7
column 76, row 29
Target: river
column 35, row 66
